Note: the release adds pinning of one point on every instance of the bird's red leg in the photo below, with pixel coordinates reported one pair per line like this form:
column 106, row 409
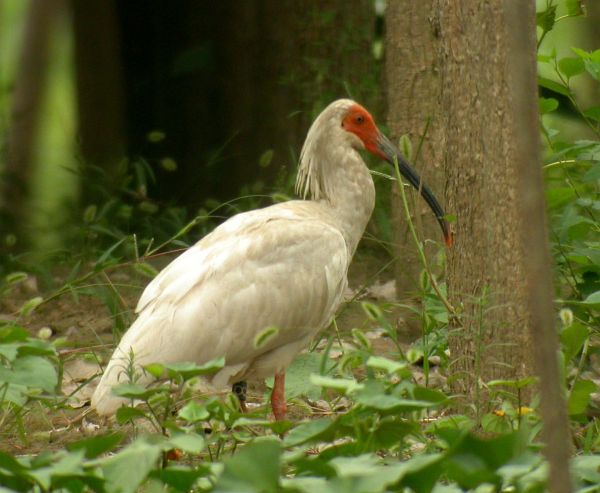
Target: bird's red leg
column 278, row 397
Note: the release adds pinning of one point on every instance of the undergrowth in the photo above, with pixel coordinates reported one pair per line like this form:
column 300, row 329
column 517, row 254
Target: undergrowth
column 363, row 420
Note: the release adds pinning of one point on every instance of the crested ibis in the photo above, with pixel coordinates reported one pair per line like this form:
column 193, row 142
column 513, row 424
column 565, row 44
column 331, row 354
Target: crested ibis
column 284, row 266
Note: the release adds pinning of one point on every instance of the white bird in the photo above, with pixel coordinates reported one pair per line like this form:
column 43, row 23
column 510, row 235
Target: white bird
column 284, row 266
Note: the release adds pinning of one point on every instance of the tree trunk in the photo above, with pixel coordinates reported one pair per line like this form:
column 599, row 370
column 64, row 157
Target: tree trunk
column 413, row 85
column 522, row 85
column 486, row 264
column 99, row 93
column 26, row 103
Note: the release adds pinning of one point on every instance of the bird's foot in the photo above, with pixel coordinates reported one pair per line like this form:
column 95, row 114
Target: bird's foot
column 240, row 389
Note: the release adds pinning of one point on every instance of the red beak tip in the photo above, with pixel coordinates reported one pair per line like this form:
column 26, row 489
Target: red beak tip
column 449, row 239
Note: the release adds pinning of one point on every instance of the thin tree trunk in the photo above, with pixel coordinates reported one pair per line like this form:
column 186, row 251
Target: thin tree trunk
column 413, row 87
column 486, row 264
column 520, row 20
column 24, row 119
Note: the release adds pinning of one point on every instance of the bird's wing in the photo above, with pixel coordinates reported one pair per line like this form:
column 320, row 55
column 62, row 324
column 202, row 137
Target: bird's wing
column 258, row 270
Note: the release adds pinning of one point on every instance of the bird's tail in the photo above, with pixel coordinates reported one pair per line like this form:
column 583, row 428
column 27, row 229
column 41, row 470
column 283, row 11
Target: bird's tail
column 120, row 369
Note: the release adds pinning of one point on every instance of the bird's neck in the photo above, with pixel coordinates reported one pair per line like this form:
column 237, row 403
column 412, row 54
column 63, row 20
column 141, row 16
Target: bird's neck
column 349, row 192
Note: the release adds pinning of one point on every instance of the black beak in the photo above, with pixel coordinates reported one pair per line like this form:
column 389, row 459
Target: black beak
column 391, row 154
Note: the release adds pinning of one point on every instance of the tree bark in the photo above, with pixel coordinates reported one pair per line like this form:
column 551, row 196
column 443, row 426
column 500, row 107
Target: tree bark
column 413, row 86
column 522, row 85
column 486, row 264
column 26, row 103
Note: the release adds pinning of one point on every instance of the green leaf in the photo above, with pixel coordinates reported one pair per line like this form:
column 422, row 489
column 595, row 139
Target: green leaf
column 308, row 432
column 593, row 174
column 193, row 412
column 546, row 19
column 571, row 66
column 572, row 339
column 33, row 372
column 191, row 443
column 125, row 414
column 554, row 86
column 547, row 105
column 385, row 364
column 125, row 471
column 593, row 299
column 134, row 391
column 254, row 469
column 345, row 385
column 574, row 7
column 95, row 446
column 266, row 158
column 580, row 396
column 515, row 384
column 265, row 335
column 189, row 370
column 297, row 376
column 593, row 113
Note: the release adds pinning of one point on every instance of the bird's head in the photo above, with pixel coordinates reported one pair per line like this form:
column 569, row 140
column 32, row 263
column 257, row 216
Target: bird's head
column 358, row 123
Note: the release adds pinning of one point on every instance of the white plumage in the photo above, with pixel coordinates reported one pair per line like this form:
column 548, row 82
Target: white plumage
column 283, row 266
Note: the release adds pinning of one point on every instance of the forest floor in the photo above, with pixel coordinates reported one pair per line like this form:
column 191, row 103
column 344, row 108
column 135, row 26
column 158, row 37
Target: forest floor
column 85, row 325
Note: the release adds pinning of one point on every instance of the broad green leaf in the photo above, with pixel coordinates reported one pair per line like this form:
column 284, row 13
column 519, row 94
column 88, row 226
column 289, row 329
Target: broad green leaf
column 385, row 364
column 308, row 432
column 345, row 385
column 572, row 339
column 593, row 299
column 297, row 376
column 134, row 391
column 125, row 414
column 189, row 370
column 191, row 443
column 554, row 86
column 31, row 371
column 580, row 396
column 127, row 470
column 12, row 333
column 571, row 66
column 194, row 412
column 179, row 477
column 547, row 105
column 254, row 469
column 546, row 19
column 587, row 467
column 574, row 7
column 593, row 174
column 593, row 113
column 95, row 446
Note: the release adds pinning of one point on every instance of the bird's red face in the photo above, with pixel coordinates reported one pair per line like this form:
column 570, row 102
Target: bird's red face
column 360, row 122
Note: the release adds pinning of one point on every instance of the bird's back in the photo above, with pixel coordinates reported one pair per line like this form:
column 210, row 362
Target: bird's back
column 284, row 267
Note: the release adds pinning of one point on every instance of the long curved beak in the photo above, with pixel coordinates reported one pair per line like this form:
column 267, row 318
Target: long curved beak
column 390, row 153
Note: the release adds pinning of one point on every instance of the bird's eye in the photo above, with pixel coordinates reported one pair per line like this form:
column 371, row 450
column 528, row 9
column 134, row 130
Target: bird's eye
column 360, row 119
